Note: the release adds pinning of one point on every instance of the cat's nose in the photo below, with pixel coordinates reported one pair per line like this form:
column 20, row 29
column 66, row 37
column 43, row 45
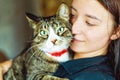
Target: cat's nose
column 54, row 41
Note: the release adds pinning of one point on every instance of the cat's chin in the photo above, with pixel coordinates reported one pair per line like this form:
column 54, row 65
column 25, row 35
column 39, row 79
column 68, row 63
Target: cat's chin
column 63, row 58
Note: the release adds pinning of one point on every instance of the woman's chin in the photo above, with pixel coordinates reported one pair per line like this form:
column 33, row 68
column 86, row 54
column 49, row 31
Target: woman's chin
column 74, row 48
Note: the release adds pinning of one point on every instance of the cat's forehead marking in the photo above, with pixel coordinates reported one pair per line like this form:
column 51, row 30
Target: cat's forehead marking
column 58, row 23
column 43, row 25
column 53, row 22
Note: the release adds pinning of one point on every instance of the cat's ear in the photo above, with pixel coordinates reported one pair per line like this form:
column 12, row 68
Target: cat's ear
column 63, row 12
column 32, row 19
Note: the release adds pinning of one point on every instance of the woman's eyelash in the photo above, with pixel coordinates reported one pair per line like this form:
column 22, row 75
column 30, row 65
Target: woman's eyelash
column 90, row 24
column 71, row 15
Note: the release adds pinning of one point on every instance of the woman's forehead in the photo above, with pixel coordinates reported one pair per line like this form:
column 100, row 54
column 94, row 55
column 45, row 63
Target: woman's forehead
column 91, row 8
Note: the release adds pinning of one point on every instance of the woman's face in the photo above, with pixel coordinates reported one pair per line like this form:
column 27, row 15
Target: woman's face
column 92, row 27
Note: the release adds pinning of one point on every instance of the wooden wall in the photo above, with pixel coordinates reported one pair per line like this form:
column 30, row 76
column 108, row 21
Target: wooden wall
column 45, row 7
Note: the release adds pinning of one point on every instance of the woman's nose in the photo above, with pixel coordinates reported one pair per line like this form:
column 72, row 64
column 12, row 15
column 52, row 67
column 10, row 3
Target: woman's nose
column 77, row 27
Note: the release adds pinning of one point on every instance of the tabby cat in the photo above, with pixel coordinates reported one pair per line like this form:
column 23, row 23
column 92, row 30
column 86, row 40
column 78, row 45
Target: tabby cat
column 48, row 48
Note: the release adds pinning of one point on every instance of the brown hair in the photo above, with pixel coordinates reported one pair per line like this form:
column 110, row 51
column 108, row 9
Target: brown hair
column 113, row 6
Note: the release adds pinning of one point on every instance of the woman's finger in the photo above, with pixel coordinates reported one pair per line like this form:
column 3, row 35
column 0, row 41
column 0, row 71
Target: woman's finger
column 5, row 66
column 1, row 74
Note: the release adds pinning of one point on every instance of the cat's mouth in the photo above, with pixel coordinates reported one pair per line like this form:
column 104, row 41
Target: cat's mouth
column 58, row 53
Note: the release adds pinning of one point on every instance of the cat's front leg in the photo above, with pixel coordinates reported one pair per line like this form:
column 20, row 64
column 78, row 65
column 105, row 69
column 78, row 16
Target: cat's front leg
column 49, row 77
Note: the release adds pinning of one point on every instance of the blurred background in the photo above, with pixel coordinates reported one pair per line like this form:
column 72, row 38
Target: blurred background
column 14, row 28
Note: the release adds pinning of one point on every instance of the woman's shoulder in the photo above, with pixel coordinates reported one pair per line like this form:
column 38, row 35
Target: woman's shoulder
column 94, row 75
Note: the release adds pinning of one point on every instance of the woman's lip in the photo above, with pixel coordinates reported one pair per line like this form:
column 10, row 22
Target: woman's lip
column 76, row 40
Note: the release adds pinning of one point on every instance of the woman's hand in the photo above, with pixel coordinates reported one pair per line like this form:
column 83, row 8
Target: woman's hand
column 4, row 68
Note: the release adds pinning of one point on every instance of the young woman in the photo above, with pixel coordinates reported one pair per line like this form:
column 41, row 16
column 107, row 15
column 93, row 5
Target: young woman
column 96, row 42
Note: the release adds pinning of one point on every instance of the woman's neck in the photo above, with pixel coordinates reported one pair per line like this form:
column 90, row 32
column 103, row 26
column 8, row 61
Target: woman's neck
column 89, row 54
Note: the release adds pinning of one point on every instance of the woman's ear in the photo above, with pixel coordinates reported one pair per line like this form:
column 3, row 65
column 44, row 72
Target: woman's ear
column 116, row 34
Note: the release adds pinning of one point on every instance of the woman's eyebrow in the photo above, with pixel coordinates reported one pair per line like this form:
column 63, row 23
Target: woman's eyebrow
column 90, row 16
column 93, row 17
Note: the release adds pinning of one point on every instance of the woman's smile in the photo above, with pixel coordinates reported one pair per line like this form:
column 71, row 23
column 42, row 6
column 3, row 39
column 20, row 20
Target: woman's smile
column 77, row 40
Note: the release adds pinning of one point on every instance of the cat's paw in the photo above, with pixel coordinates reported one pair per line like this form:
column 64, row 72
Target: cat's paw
column 65, row 79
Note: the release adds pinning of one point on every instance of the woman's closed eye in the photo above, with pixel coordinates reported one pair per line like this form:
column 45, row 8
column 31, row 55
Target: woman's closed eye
column 91, row 23
column 72, row 18
column 92, row 20
column 72, row 15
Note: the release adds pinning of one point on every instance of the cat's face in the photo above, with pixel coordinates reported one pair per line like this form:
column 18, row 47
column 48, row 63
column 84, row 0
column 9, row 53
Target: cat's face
column 53, row 35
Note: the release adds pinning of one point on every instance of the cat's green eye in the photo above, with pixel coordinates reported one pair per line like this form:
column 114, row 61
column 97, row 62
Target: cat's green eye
column 43, row 32
column 61, row 29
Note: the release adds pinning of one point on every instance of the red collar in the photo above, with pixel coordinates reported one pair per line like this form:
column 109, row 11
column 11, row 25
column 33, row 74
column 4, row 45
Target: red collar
column 58, row 54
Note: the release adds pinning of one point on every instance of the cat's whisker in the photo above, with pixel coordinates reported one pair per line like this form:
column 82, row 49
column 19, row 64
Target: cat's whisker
column 31, row 48
column 31, row 56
